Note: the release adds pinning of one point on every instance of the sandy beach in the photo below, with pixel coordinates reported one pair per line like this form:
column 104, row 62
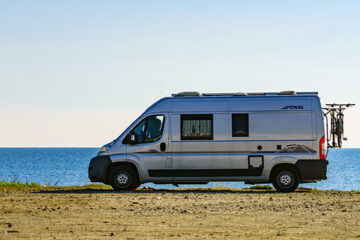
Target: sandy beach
column 90, row 213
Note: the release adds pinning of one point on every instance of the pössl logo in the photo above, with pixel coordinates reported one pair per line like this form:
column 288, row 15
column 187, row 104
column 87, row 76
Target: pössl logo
column 293, row 107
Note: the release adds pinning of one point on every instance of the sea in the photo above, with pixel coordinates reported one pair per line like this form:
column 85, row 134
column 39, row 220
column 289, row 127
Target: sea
column 68, row 167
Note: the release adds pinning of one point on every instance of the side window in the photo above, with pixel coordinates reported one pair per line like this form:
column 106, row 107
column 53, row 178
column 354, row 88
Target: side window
column 196, row 127
column 240, row 125
column 148, row 130
column 154, row 128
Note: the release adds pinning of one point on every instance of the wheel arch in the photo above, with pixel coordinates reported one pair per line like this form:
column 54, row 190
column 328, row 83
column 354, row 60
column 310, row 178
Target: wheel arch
column 122, row 163
column 279, row 165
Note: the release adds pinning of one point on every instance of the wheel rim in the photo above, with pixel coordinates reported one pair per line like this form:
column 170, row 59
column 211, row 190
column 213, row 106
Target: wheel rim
column 285, row 179
column 122, row 179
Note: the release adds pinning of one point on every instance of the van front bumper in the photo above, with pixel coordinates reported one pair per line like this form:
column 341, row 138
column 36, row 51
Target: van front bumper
column 98, row 167
column 312, row 170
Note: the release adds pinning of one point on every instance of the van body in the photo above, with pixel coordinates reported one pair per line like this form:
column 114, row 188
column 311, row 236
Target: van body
column 276, row 138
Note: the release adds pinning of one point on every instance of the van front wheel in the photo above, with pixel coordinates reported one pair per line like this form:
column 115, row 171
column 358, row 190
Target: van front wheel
column 124, row 178
column 285, row 179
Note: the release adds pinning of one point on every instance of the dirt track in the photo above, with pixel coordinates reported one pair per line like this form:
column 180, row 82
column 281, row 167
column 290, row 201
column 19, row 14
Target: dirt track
column 103, row 214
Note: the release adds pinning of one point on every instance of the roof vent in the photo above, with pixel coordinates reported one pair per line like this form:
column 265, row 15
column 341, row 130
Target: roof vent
column 240, row 94
column 287, row 93
column 186, row 94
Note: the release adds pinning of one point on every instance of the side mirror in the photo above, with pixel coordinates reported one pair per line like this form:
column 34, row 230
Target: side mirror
column 132, row 140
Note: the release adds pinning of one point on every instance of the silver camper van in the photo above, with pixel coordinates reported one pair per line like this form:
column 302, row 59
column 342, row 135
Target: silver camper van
column 192, row 138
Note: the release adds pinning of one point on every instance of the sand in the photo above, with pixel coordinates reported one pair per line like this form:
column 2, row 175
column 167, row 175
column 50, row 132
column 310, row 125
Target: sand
column 56, row 213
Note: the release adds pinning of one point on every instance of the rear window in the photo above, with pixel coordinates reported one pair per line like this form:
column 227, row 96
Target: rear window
column 240, row 125
column 196, row 127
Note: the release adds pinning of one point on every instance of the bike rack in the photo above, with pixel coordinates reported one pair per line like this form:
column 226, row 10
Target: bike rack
column 335, row 136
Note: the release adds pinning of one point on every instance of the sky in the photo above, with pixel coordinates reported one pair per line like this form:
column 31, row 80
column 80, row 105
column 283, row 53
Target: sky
column 77, row 73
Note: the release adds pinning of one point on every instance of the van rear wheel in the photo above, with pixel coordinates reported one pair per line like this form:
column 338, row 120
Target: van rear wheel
column 285, row 179
column 124, row 178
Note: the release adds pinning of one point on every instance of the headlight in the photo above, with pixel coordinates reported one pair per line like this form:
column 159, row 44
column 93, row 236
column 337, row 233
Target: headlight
column 105, row 148
column 102, row 150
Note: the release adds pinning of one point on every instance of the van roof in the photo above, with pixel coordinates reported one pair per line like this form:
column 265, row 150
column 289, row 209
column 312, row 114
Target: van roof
column 197, row 94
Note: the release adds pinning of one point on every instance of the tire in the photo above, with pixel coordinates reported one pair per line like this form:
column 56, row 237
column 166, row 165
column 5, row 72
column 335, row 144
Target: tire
column 123, row 178
column 285, row 179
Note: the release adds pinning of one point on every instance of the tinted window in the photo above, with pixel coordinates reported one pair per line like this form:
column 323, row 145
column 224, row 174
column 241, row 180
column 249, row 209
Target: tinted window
column 139, row 131
column 197, row 127
column 240, row 125
column 154, row 128
column 148, row 130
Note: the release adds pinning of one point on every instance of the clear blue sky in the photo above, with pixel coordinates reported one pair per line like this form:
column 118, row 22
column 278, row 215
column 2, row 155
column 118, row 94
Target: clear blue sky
column 77, row 73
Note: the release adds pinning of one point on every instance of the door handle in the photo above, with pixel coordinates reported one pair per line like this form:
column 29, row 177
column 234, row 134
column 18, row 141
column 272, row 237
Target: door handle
column 163, row 147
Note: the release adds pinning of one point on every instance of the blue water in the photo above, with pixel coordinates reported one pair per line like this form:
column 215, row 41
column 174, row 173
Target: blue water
column 68, row 166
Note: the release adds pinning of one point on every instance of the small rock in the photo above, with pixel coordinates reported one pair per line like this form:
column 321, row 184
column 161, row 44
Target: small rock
column 112, row 234
column 344, row 210
column 131, row 209
column 186, row 197
column 9, row 225
column 270, row 199
column 158, row 198
column 323, row 214
column 185, row 211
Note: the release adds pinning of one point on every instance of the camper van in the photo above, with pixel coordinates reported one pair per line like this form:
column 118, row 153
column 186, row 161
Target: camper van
column 193, row 138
